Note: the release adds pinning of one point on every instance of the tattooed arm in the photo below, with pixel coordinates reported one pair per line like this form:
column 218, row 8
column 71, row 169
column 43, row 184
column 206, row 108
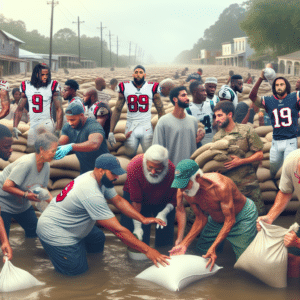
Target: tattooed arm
column 159, row 105
column 5, row 104
column 19, row 110
column 59, row 111
column 117, row 112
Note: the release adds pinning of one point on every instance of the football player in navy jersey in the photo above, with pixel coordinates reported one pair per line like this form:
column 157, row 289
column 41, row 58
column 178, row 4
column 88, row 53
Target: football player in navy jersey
column 139, row 96
column 282, row 109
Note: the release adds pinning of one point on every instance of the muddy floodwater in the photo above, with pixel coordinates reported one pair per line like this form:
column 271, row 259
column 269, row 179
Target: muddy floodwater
column 111, row 276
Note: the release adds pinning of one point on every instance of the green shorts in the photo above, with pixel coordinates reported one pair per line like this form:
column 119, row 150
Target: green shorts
column 241, row 234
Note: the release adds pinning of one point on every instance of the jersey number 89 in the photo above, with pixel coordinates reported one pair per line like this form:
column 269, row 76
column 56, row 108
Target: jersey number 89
column 138, row 103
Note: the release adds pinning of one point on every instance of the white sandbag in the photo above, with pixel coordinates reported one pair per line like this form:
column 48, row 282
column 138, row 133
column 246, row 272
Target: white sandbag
column 266, row 257
column 14, row 279
column 182, row 271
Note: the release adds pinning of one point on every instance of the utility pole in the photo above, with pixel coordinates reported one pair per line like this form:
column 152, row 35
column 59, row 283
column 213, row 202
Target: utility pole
column 101, row 29
column 135, row 54
column 110, row 35
column 129, row 53
column 51, row 31
column 78, row 22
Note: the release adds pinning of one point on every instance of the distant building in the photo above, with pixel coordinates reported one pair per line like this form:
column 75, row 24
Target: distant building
column 9, row 54
column 236, row 53
column 72, row 61
column 289, row 64
column 206, row 57
column 32, row 59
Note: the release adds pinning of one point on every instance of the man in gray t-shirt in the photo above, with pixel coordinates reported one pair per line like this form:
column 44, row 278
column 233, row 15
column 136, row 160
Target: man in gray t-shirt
column 67, row 227
column 82, row 135
column 178, row 131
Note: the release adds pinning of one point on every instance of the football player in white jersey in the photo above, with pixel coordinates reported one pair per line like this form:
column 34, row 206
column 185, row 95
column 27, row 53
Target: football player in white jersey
column 139, row 96
column 5, row 103
column 202, row 110
column 90, row 100
column 38, row 94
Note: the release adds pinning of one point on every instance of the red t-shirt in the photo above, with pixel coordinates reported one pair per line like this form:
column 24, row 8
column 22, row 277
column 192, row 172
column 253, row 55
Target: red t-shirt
column 144, row 192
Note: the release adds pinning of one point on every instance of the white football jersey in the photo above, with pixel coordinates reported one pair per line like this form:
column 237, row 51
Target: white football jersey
column 139, row 101
column 90, row 112
column 39, row 99
column 204, row 112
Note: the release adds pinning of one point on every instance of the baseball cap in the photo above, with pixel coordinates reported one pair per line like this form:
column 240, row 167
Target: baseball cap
column 74, row 109
column 183, row 172
column 225, row 92
column 109, row 162
column 213, row 80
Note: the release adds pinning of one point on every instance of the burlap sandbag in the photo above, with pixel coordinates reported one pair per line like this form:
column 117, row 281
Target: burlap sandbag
column 120, row 127
column 69, row 162
column 20, row 141
column 54, row 193
column 115, row 147
column 265, row 164
column 19, row 148
column 268, row 196
column 63, row 173
column 267, row 147
column 15, row 155
column 263, row 174
column 269, row 136
column 266, row 257
column 206, row 156
column 61, row 183
column 262, row 131
column 49, row 186
column 220, row 145
column 120, row 137
column 214, row 166
column 201, row 150
column 268, row 185
column 222, row 157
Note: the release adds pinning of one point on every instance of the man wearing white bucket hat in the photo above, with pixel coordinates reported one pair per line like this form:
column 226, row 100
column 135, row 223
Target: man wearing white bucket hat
column 282, row 108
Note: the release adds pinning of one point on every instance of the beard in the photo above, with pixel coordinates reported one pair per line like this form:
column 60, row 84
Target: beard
column 139, row 82
column 224, row 124
column 195, row 188
column 106, row 182
column 183, row 104
column 281, row 93
column 157, row 178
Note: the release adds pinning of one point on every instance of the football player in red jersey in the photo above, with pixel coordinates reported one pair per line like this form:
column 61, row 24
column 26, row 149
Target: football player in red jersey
column 139, row 96
column 38, row 94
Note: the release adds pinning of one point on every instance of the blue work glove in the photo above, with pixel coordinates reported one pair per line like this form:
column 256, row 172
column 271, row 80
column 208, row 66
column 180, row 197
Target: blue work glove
column 62, row 151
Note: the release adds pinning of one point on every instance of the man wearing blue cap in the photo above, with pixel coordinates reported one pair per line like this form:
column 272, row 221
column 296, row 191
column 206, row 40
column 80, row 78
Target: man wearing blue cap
column 221, row 211
column 67, row 228
column 84, row 136
column 139, row 96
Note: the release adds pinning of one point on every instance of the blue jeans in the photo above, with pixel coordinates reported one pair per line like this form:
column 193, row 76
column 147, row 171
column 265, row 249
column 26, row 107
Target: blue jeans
column 27, row 220
column 163, row 237
column 71, row 260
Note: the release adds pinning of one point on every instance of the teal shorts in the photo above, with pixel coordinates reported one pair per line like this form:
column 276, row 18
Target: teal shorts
column 241, row 234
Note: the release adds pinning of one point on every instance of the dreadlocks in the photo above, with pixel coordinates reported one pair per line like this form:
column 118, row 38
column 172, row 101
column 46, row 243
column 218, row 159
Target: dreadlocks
column 36, row 75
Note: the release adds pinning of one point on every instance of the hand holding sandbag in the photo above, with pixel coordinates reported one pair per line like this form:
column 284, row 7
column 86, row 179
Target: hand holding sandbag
column 111, row 139
column 212, row 257
column 290, row 239
column 264, row 219
column 62, row 151
column 163, row 215
column 7, row 251
column 16, row 132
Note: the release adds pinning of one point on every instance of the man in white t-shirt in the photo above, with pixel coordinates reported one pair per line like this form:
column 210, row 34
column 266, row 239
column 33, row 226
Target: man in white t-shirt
column 289, row 185
column 67, row 227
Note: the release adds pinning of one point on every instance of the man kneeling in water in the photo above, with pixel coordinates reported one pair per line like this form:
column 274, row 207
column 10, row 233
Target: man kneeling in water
column 221, row 211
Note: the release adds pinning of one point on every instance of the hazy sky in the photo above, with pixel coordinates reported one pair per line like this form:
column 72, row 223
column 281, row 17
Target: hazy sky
column 162, row 28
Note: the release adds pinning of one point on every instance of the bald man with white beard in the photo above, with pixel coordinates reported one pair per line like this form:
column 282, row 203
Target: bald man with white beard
column 148, row 189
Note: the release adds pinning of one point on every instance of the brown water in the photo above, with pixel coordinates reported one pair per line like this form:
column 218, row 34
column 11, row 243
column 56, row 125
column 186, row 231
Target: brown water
column 111, row 276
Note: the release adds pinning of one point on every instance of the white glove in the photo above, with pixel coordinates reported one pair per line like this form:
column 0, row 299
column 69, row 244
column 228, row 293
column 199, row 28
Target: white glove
column 163, row 215
column 111, row 139
column 138, row 231
column 16, row 132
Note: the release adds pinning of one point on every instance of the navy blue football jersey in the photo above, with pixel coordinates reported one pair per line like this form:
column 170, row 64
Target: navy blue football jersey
column 283, row 114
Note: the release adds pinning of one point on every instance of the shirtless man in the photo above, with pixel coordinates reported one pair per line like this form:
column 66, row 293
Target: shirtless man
column 221, row 210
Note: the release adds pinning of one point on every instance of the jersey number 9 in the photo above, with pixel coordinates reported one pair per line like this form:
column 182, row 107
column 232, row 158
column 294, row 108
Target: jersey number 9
column 38, row 101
